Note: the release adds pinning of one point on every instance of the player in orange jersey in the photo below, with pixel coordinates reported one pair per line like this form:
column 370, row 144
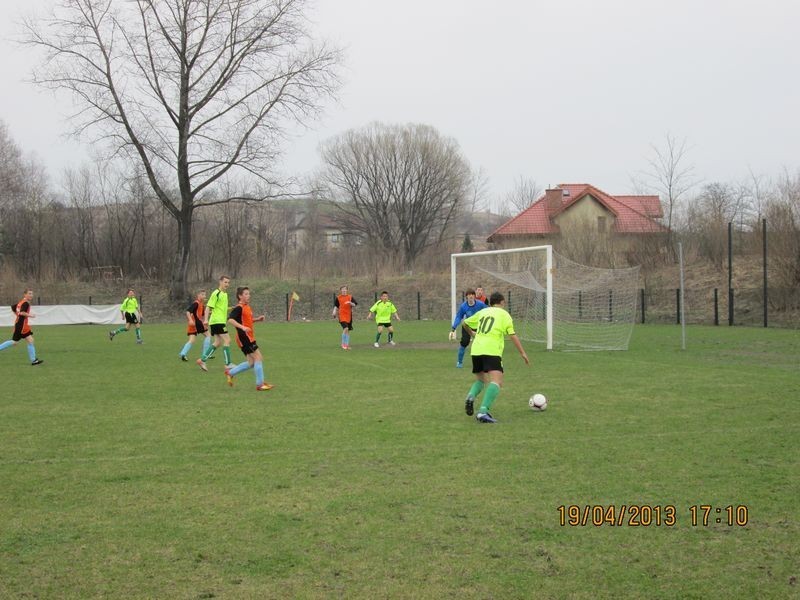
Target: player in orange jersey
column 241, row 318
column 343, row 306
column 196, row 326
column 22, row 330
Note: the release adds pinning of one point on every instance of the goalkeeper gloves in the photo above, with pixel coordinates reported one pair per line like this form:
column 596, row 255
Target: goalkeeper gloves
column 452, row 336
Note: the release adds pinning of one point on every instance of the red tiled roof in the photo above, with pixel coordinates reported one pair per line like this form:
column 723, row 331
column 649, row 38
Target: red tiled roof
column 633, row 214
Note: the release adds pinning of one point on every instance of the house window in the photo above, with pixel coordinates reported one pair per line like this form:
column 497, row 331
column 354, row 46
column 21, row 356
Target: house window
column 601, row 224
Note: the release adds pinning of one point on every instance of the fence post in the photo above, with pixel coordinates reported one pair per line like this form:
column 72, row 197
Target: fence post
column 730, row 273
column 764, row 236
column 610, row 306
column 580, row 305
column 419, row 307
column 678, row 305
column 90, row 300
column 641, row 294
column 287, row 306
column 716, row 306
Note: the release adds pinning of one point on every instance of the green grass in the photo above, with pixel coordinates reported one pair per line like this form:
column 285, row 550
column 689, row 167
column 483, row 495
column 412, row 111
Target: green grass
column 125, row 473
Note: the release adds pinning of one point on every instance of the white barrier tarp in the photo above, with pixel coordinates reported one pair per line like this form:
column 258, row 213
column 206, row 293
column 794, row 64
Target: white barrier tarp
column 66, row 314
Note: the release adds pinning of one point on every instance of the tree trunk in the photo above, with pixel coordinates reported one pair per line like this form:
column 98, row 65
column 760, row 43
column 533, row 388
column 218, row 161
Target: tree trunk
column 178, row 290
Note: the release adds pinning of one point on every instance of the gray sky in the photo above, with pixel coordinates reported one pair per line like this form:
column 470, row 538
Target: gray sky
column 559, row 91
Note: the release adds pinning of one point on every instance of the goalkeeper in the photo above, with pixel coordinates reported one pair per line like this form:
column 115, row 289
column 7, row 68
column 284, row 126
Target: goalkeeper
column 468, row 308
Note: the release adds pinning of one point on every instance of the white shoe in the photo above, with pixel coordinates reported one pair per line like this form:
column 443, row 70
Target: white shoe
column 377, row 345
column 392, row 343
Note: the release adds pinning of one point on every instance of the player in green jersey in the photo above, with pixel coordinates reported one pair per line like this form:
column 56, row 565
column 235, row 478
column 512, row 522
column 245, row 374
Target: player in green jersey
column 489, row 327
column 216, row 316
column 383, row 310
column 131, row 314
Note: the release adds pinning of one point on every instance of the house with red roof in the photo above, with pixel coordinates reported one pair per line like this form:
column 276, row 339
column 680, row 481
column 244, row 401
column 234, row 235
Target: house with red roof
column 581, row 209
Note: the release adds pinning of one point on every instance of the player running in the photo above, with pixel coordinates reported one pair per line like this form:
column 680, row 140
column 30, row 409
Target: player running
column 489, row 326
column 216, row 316
column 194, row 315
column 131, row 314
column 468, row 308
column 383, row 310
column 242, row 319
column 343, row 305
column 22, row 330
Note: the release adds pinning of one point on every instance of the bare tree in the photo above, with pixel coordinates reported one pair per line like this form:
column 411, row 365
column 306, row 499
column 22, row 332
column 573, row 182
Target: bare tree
column 671, row 176
column 524, row 193
column 193, row 90
column 400, row 186
column 478, row 199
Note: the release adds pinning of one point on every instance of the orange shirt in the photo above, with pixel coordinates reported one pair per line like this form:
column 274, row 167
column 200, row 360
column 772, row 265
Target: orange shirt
column 197, row 315
column 21, row 324
column 243, row 314
column 345, row 310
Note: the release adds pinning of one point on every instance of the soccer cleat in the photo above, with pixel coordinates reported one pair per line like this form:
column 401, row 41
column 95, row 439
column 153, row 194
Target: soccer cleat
column 344, row 346
column 459, row 365
column 140, row 341
column 184, row 359
column 469, row 404
column 264, row 387
column 38, row 361
column 377, row 345
column 111, row 335
column 229, row 377
column 347, row 347
column 485, row 418
column 201, row 364
column 391, row 343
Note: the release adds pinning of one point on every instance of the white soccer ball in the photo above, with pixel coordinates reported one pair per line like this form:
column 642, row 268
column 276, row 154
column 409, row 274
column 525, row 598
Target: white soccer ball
column 537, row 402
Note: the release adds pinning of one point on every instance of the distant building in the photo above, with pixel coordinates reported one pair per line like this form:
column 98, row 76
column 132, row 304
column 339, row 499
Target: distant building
column 581, row 209
column 323, row 228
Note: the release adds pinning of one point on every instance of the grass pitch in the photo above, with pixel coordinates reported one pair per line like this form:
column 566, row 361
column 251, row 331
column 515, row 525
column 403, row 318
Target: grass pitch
column 128, row 474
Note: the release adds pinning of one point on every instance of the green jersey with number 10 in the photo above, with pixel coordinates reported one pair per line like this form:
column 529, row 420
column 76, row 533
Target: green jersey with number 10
column 491, row 326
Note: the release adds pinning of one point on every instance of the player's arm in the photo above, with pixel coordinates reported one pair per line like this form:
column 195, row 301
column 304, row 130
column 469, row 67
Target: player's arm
column 353, row 302
column 395, row 314
column 25, row 311
column 335, row 308
column 234, row 323
column 519, row 347
column 209, row 306
column 190, row 314
column 259, row 318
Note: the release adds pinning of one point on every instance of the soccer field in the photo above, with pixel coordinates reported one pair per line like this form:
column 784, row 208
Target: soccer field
column 128, row 474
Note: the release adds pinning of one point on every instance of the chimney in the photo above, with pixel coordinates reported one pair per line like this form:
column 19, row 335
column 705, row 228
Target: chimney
column 552, row 200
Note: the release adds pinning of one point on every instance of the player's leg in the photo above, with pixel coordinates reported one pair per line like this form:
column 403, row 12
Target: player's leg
column 258, row 367
column 121, row 329
column 462, row 348
column 32, row 351
column 345, row 336
column 206, row 341
column 390, row 329
column 378, row 336
column 209, row 350
column 138, row 327
column 226, row 348
column 7, row 344
column 495, row 382
column 477, row 387
column 187, row 346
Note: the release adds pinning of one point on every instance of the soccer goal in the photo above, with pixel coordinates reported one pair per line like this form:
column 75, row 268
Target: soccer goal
column 553, row 300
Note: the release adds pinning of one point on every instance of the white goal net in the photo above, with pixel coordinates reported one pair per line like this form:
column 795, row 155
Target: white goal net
column 553, row 300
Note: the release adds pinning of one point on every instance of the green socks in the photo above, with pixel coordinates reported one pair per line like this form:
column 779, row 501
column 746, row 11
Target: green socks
column 208, row 352
column 489, row 397
column 476, row 389
column 120, row 330
column 377, row 337
column 226, row 351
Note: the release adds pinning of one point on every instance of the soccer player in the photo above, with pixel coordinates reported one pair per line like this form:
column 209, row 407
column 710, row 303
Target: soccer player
column 242, row 319
column 383, row 310
column 480, row 295
column 131, row 314
column 22, row 330
column 468, row 308
column 489, row 326
column 194, row 315
column 343, row 305
column 216, row 316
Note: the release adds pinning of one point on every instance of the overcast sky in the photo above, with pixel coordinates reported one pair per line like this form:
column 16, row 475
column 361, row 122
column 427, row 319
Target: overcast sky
column 555, row 90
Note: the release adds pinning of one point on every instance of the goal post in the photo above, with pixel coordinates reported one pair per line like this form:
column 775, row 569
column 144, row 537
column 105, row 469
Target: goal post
column 552, row 299
column 548, row 292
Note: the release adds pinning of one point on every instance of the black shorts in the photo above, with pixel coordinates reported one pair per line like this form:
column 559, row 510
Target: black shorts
column 131, row 318
column 199, row 328
column 17, row 336
column 248, row 347
column 384, row 324
column 346, row 325
column 465, row 337
column 485, row 363
column 218, row 329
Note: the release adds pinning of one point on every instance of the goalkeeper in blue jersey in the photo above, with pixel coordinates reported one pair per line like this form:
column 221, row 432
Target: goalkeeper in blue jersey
column 468, row 308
